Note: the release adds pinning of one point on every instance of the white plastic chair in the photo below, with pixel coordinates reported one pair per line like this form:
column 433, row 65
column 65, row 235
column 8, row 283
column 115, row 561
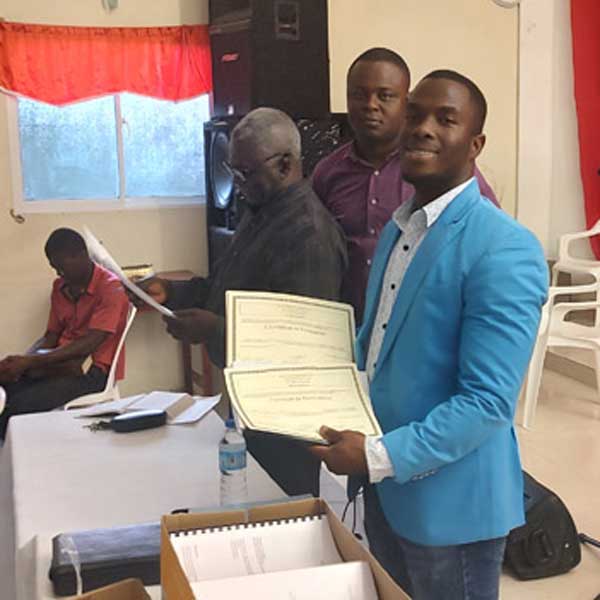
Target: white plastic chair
column 555, row 331
column 567, row 263
column 111, row 390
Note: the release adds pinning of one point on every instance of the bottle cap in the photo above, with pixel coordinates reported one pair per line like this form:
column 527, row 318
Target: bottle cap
column 230, row 424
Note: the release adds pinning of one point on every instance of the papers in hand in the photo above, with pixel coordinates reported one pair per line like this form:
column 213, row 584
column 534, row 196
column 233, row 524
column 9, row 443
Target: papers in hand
column 297, row 401
column 180, row 408
column 99, row 254
column 291, row 365
column 269, row 328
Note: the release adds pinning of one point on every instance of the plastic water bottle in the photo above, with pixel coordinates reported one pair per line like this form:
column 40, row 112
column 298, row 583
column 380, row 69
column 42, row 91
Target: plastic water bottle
column 232, row 463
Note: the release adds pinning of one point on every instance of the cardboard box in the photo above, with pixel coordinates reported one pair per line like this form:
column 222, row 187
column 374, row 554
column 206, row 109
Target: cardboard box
column 175, row 584
column 128, row 589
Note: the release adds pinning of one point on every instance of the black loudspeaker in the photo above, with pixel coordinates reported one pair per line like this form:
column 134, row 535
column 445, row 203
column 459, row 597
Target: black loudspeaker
column 221, row 196
column 224, row 203
column 270, row 53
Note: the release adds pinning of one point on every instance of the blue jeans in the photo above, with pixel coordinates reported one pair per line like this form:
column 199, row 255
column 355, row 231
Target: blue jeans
column 462, row 572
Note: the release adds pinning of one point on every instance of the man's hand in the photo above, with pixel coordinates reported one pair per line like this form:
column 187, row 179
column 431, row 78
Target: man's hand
column 154, row 286
column 346, row 453
column 13, row 367
column 193, row 325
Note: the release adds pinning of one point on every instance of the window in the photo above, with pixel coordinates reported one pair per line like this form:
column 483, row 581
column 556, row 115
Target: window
column 112, row 152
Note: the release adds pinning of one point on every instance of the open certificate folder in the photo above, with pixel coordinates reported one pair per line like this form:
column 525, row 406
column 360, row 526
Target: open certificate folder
column 292, row 366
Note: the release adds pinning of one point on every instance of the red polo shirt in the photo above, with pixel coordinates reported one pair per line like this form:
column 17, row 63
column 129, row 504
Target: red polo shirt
column 103, row 306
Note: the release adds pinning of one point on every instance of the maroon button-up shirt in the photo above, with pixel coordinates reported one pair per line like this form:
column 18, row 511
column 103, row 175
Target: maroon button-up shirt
column 362, row 199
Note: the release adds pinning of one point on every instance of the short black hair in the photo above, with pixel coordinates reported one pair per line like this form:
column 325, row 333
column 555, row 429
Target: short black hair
column 382, row 55
column 64, row 240
column 476, row 94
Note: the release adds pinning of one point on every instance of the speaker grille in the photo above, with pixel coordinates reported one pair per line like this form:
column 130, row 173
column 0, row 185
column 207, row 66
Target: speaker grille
column 221, row 180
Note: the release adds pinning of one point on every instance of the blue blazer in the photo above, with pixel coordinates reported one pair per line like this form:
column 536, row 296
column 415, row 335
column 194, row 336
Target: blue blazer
column 447, row 380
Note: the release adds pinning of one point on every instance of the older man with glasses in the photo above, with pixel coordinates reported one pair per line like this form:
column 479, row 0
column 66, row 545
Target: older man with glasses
column 286, row 242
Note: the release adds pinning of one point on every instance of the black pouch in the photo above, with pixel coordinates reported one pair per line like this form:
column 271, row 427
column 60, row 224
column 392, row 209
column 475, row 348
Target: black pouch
column 138, row 420
column 106, row 556
column 548, row 543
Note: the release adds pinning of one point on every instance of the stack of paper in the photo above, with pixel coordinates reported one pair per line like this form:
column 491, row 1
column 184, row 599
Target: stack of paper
column 180, row 408
column 345, row 581
column 294, row 559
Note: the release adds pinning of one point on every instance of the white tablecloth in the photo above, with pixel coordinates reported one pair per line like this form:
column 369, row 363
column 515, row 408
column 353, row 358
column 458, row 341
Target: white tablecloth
column 56, row 476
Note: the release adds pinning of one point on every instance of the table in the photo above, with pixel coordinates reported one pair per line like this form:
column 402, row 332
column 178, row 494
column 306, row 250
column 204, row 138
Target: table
column 56, row 476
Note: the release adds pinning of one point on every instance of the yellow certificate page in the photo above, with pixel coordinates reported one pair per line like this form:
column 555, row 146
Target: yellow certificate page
column 296, row 401
column 269, row 328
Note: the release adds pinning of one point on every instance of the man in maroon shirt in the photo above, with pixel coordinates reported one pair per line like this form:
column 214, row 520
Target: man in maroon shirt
column 361, row 183
column 87, row 316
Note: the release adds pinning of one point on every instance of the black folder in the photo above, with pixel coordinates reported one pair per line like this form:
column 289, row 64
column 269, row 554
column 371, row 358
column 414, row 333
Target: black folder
column 106, row 556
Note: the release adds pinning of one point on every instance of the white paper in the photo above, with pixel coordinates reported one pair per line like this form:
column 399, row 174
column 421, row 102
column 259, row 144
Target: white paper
column 296, row 401
column 173, row 403
column 114, row 407
column 181, row 408
column 201, row 407
column 100, row 254
column 254, row 548
column 273, row 328
column 345, row 581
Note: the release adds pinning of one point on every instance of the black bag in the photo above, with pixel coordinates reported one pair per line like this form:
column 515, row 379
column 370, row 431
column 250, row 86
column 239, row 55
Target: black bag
column 548, row 543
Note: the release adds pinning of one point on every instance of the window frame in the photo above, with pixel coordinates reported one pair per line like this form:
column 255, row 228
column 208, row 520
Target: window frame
column 59, row 205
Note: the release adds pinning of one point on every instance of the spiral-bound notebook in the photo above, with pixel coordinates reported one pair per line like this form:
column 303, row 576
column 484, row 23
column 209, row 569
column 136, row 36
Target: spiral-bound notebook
column 274, row 560
column 253, row 548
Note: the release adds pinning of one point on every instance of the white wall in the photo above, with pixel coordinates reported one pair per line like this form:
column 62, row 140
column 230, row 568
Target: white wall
column 167, row 238
column 567, row 207
column 475, row 37
column 550, row 191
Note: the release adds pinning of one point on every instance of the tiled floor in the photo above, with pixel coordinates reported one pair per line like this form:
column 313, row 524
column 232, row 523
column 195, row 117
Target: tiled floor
column 563, row 452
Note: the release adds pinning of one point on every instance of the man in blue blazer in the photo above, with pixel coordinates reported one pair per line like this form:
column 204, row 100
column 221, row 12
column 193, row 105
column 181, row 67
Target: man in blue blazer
column 452, row 311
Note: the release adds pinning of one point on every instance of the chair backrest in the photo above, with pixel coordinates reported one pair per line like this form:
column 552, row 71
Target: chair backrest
column 110, row 381
column 565, row 240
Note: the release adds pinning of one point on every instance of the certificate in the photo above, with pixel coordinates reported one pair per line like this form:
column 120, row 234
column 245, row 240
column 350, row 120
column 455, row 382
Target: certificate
column 267, row 328
column 296, row 401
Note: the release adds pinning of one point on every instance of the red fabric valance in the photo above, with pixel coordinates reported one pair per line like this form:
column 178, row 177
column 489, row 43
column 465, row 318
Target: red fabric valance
column 58, row 65
column 585, row 23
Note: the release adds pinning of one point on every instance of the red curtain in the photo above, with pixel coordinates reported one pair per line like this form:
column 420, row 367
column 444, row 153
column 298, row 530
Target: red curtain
column 64, row 64
column 585, row 24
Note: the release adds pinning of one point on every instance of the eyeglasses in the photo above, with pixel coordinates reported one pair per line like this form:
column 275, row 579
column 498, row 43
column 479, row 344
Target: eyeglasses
column 242, row 175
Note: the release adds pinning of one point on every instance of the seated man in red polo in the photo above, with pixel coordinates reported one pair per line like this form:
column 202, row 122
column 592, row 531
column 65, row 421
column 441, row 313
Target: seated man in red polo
column 87, row 316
